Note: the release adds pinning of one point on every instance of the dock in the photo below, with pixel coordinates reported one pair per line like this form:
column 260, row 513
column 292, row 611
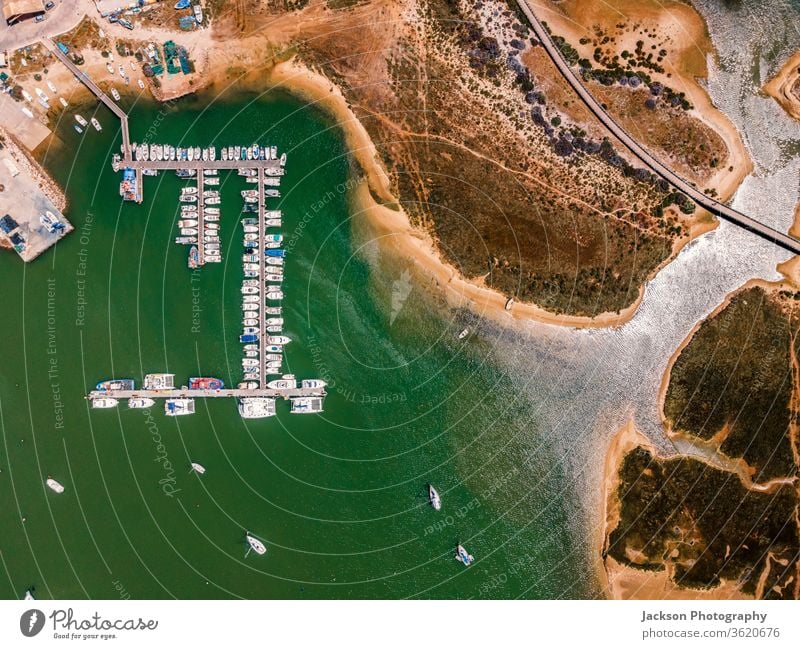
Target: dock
column 185, row 393
column 262, row 323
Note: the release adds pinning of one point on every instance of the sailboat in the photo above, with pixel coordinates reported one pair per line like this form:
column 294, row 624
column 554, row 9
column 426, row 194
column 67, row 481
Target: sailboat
column 435, row 499
column 255, row 544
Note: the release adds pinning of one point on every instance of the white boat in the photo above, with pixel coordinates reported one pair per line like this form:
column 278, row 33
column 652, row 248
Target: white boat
column 63, row 101
column 188, row 198
column 213, row 211
column 178, row 407
column 274, row 261
column 188, row 232
column 250, row 322
column 55, row 485
column 274, row 295
column 104, row 402
column 211, row 181
column 286, row 382
column 278, row 340
column 250, row 290
column 141, row 83
column 140, row 402
column 274, row 329
column 273, row 277
column 187, row 223
column 433, row 497
column 463, row 334
column 199, row 468
column 277, row 349
column 115, row 94
column 274, row 321
column 250, row 315
column 96, row 125
column 29, row 595
column 213, row 200
column 80, row 120
column 252, row 347
column 189, row 190
column 273, row 310
column 250, row 362
column 133, row 65
column 463, row 556
column 313, row 384
column 122, row 72
column 257, row 546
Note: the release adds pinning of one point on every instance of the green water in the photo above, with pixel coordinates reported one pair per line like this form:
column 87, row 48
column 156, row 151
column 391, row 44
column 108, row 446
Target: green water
column 339, row 498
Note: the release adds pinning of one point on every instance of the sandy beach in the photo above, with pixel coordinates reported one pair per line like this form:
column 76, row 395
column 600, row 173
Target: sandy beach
column 781, row 85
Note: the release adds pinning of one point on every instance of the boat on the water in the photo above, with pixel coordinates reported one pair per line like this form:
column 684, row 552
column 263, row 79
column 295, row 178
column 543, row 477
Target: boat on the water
column 116, row 384
column 205, row 383
column 198, row 468
column 29, row 594
column 257, row 546
column 140, row 402
column 313, row 384
column 463, row 556
column 178, row 407
column 96, row 125
column 434, row 498
column 104, row 403
column 194, row 257
column 55, row 485
column 256, row 407
column 463, row 334
column 80, row 120
column 286, row 382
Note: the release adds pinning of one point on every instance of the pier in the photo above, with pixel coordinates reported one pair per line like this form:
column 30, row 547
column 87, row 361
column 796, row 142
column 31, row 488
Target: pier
column 97, row 92
column 186, row 393
column 262, row 262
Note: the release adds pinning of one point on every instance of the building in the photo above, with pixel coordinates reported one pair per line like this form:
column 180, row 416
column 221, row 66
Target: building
column 7, row 224
column 15, row 11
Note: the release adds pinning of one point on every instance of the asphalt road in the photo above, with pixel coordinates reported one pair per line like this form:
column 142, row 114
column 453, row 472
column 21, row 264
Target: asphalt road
column 61, row 18
column 715, row 207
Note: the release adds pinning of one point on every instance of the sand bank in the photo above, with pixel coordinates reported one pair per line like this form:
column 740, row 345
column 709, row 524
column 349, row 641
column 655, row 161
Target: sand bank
column 784, row 86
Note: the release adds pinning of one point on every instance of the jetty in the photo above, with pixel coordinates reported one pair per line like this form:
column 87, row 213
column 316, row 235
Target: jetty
column 186, row 393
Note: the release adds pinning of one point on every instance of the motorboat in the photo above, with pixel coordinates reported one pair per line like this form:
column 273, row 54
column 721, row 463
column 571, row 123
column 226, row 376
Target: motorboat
column 188, row 198
column 463, row 334
column 278, row 340
column 434, row 498
column 286, row 382
column 141, row 83
column 205, row 383
column 273, row 310
column 250, row 290
column 190, row 189
column 251, row 348
column 213, row 200
column 81, row 121
column 250, row 362
column 248, row 385
column 115, row 94
column 187, row 223
column 277, row 349
column 250, row 315
column 275, row 253
column 250, row 322
column 313, row 384
column 274, row 295
column 274, row 261
column 274, row 321
column 212, row 226
column 198, row 468
column 250, row 330
column 273, row 277
column 211, row 181
column 272, row 223
column 188, row 232
column 249, row 299
column 115, row 384
column 104, row 403
column 463, row 556
column 178, row 407
column 140, row 402
column 54, row 485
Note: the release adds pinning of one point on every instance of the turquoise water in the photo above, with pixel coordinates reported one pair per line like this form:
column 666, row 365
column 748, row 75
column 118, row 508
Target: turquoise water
column 339, row 498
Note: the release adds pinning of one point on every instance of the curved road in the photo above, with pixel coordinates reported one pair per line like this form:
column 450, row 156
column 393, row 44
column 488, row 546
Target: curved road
column 715, row 207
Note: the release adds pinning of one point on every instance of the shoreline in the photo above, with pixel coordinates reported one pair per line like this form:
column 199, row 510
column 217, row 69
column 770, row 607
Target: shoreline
column 418, row 244
column 780, row 86
column 624, row 582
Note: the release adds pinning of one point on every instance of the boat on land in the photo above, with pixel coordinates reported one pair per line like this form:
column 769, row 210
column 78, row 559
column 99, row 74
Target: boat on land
column 198, row 468
column 257, row 546
column 140, row 402
column 205, row 383
column 104, row 403
column 63, row 101
column 286, row 382
column 463, row 556
column 51, row 222
column 141, row 83
column 110, row 68
column 115, row 94
column 178, row 407
column 116, row 384
column 434, row 498
column 55, row 485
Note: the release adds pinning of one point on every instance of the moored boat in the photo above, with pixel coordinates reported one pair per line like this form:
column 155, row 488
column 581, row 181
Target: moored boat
column 198, row 468
column 463, row 556
column 54, row 485
column 178, row 407
column 434, row 498
column 104, row 403
column 205, row 383
column 257, row 546
column 140, row 402
column 116, row 384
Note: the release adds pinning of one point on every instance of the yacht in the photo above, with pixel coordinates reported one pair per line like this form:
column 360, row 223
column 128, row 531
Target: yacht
column 278, row 340
column 104, row 403
column 54, row 485
column 80, row 120
column 463, row 556
column 188, row 232
column 433, row 497
column 256, row 408
column 274, row 321
column 198, row 468
column 159, row 381
column 178, row 407
column 257, row 546
column 115, row 384
column 250, row 290
column 115, row 94
column 250, row 322
column 286, row 382
column 187, row 223
column 274, row 295
column 140, row 402
column 141, row 83
column 188, row 198
column 96, row 124
column 313, row 384
column 306, row 405
column 273, row 310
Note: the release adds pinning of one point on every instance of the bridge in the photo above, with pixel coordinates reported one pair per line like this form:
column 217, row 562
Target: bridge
column 95, row 90
column 715, row 207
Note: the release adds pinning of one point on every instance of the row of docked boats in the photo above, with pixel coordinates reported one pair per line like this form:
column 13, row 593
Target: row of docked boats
column 159, row 152
column 173, row 407
column 253, row 152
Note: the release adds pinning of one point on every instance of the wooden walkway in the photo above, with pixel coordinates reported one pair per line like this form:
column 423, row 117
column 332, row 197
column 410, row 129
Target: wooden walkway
column 95, row 89
column 185, row 393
